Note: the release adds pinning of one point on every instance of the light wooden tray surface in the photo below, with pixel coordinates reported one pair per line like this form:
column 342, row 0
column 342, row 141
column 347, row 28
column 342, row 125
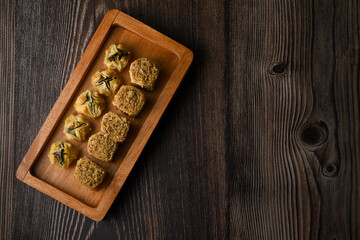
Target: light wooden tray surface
column 172, row 59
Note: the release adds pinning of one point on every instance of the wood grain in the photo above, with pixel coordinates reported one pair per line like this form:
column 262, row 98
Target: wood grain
column 298, row 118
column 226, row 160
column 7, row 89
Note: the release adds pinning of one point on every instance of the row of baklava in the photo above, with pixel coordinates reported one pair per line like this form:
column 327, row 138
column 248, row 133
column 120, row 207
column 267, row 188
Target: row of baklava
column 114, row 128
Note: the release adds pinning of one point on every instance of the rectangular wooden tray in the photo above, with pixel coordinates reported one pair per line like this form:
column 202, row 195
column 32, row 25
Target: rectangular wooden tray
column 172, row 59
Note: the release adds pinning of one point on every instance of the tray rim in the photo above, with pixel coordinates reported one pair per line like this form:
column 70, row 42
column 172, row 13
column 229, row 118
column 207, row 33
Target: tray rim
column 112, row 17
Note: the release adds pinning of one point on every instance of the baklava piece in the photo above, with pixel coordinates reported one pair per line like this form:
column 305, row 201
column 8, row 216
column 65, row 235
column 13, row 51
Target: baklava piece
column 90, row 103
column 115, row 126
column 76, row 128
column 62, row 154
column 89, row 173
column 129, row 100
column 116, row 57
column 102, row 146
column 143, row 73
column 106, row 82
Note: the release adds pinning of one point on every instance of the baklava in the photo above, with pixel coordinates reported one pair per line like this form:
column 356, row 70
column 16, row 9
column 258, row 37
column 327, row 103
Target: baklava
column 129, row 100
column 90, row 103
column 76, row 128
column 102, row 146
column 116, row 57
column 62, row 154
column 115, row 126
column 143, row 73
column 106, row 82
column 89, row 173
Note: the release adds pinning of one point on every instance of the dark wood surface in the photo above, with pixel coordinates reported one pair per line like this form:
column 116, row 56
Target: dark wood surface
column 261, row 141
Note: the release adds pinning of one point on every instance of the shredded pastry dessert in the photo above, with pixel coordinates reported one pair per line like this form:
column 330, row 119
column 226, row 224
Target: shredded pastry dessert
column 115, row 126
column 89, row 173
column 129, row 100
column 143, row 73
column 102, row 146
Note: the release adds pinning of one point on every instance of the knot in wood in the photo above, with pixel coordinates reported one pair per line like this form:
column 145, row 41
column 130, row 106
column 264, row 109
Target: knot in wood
column 279, row 68
column 314, row 134
column 330, row 170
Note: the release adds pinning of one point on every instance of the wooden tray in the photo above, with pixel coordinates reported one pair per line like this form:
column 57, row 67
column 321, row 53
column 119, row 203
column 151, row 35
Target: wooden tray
column 173, row 61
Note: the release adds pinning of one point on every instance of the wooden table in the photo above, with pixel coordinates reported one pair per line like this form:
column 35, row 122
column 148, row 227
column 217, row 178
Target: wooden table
column 261, row 141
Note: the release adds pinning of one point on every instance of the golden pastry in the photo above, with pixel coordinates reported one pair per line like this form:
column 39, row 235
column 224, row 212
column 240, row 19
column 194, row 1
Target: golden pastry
column 129, row 100
column 90, row 103
column 76, row 128
column 143, row 73
column 116, row 57
column 106, row 82
column 89, row 173
column 102, row 147
column 62, row 154
column 115, row 126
